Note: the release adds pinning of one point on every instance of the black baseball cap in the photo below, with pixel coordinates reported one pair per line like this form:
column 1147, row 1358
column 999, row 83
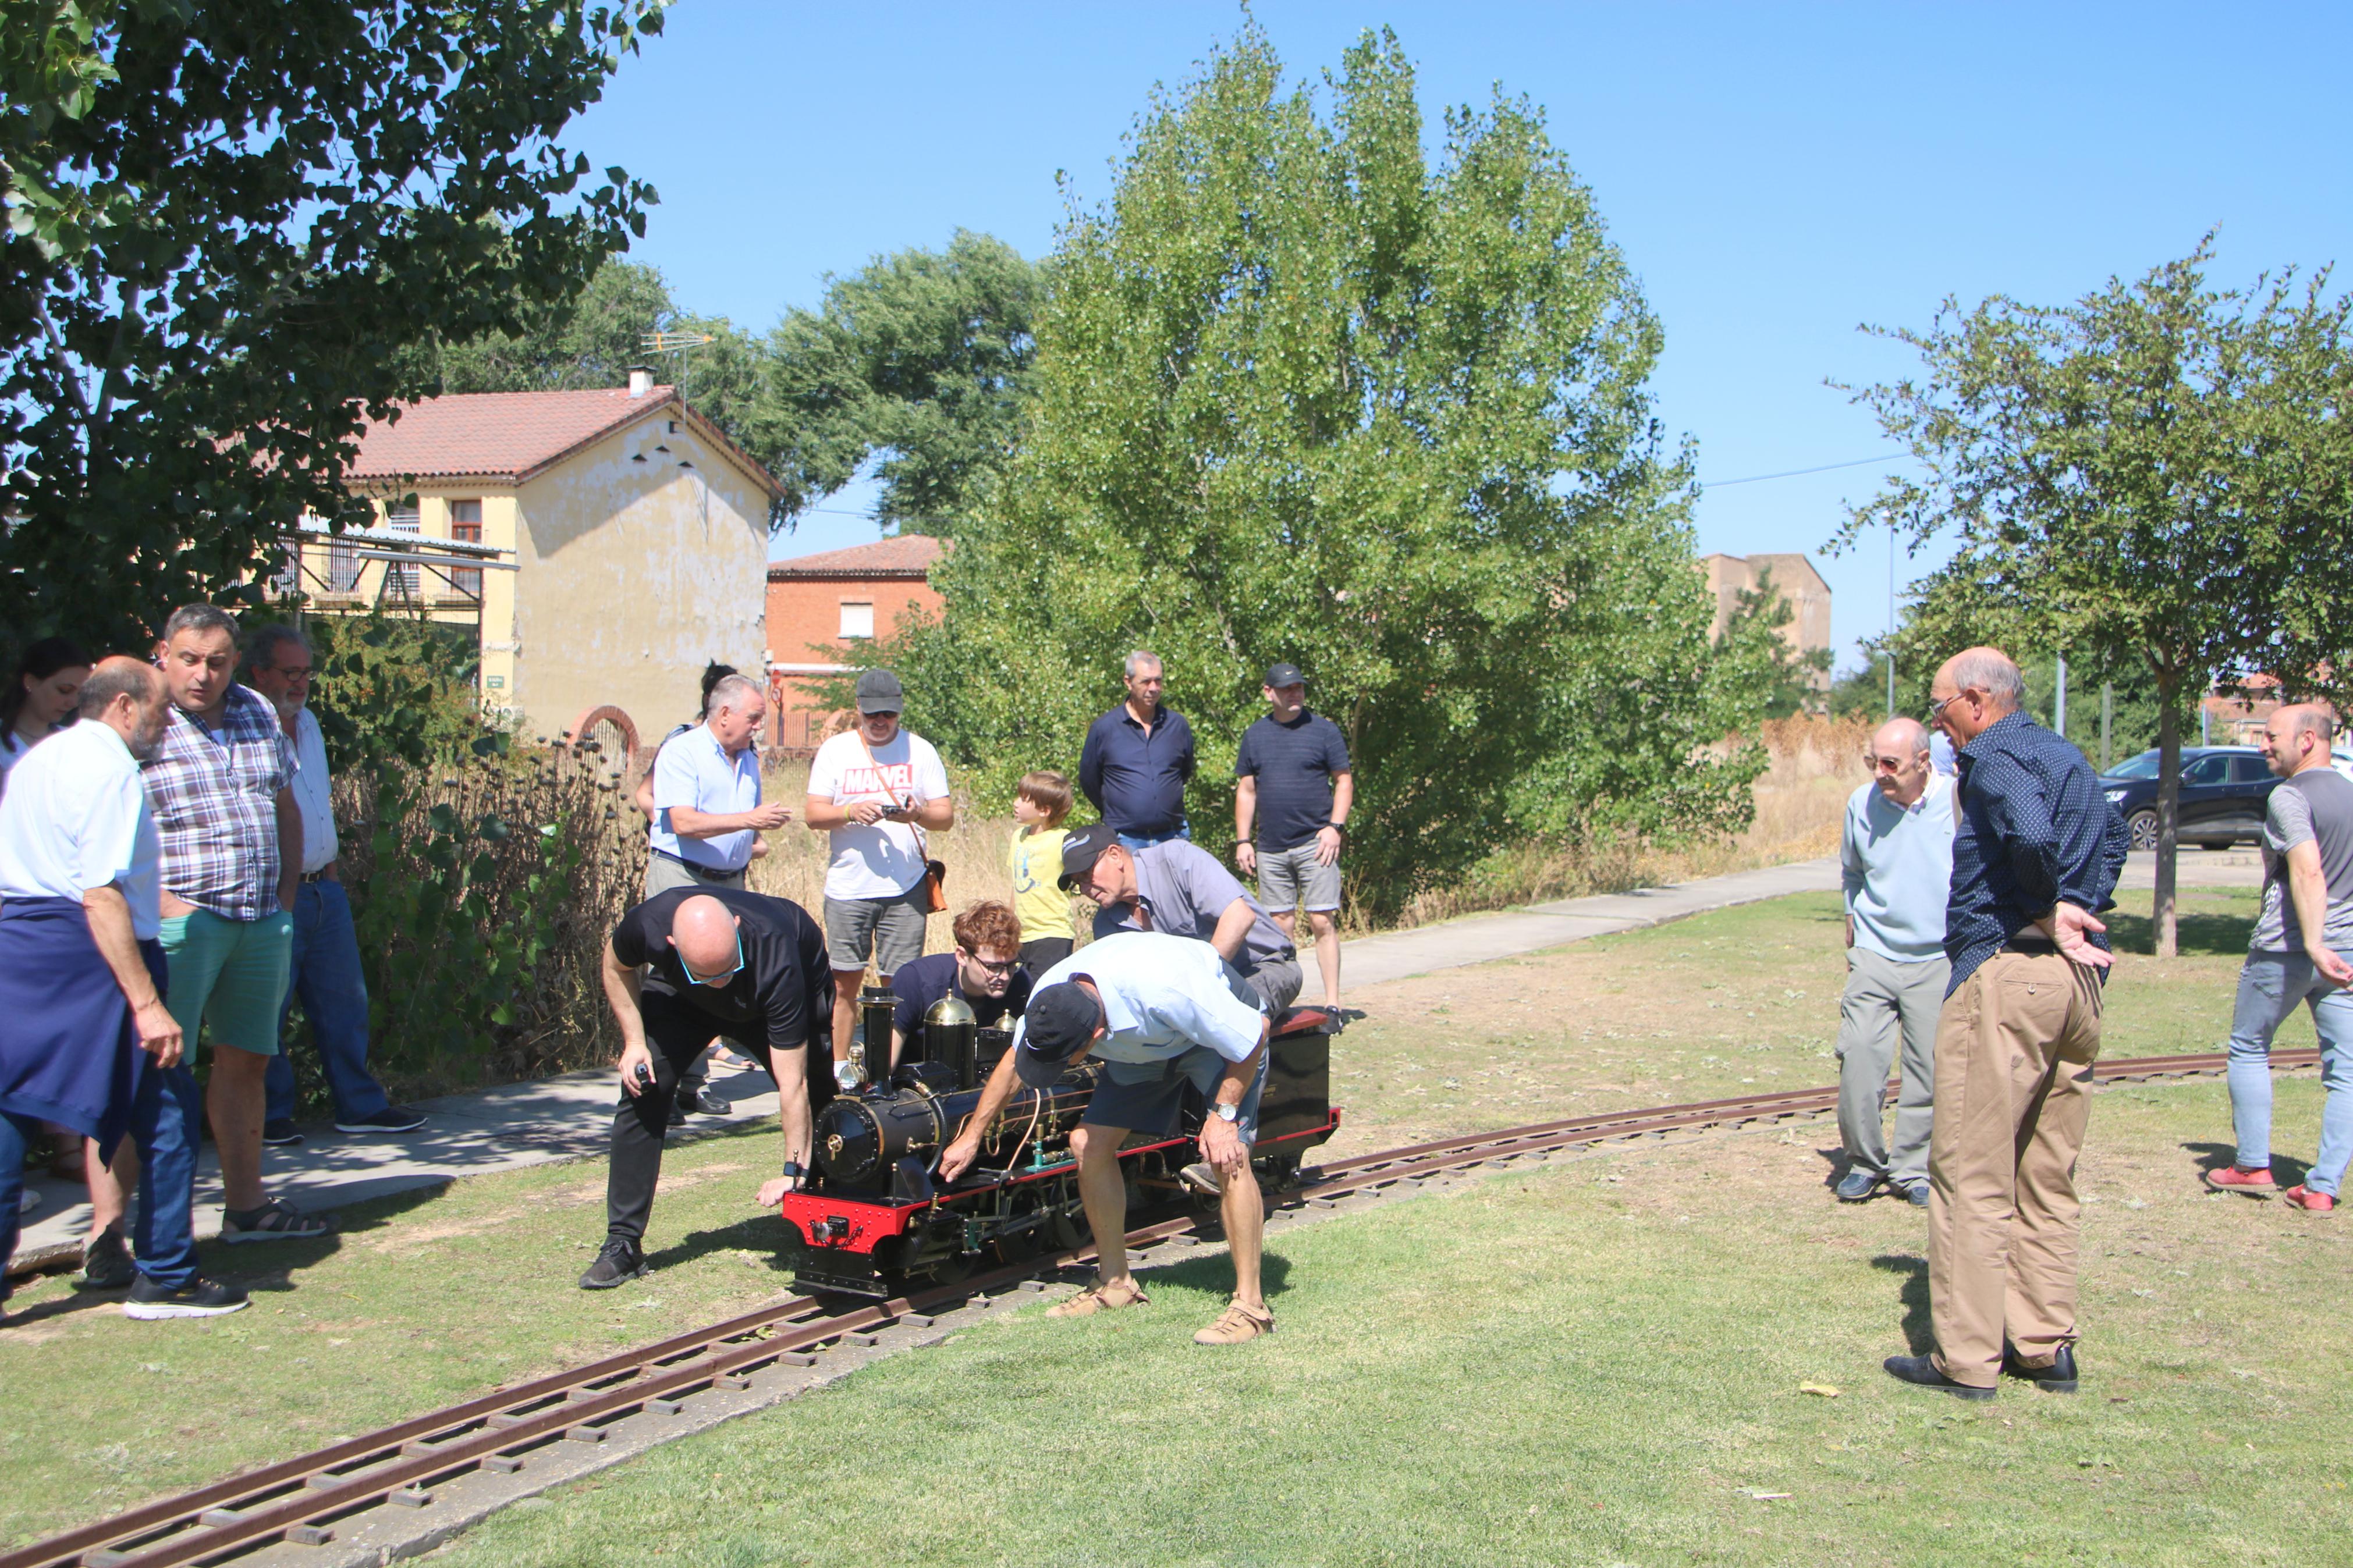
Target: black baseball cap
column 1081, row 849
column 1060, row 1021
column 878, row 692
column 1282, row 675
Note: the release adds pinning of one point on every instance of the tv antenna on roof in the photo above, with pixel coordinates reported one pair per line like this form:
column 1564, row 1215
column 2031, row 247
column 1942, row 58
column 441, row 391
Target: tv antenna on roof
column 682, row 345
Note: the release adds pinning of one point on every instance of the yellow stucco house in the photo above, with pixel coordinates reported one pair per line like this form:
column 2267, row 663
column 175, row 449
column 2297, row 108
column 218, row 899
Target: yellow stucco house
column 605, row 544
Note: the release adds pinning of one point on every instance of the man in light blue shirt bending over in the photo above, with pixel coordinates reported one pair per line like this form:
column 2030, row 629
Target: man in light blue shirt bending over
column 1160, row 1012
column 1896, row 853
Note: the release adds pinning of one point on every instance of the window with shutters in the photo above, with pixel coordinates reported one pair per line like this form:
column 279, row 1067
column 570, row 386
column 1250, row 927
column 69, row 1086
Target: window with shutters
column 466, row 528
column 400, row 577
column 857, row 619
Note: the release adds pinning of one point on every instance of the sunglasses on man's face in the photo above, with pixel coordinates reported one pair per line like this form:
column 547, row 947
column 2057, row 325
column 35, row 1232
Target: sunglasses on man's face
column 723, row 976
column 1885, row 764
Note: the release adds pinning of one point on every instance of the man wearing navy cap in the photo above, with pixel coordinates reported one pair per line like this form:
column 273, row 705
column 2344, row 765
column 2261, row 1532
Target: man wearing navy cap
column 1160, row 1012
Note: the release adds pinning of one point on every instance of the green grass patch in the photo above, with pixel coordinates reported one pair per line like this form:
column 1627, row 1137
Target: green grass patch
column 1594, row 1365
column 437, row 1297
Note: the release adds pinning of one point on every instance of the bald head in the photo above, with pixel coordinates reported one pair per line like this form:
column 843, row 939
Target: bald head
column 2296, row 737
column 1973, row 689
column 704, row 935
column 128, row 696
column 1899, row 760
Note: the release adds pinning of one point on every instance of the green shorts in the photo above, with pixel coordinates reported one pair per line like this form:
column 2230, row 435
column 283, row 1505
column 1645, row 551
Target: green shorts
column 230, row 974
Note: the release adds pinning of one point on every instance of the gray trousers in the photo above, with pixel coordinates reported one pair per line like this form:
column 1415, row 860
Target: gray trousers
column 1886, row 1003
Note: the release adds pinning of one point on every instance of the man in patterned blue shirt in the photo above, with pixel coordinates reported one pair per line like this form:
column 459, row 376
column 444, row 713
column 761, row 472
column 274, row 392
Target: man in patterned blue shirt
column 2035, row 859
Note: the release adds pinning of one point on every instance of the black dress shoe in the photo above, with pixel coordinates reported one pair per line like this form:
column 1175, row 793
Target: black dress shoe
column 1922, row 1370
column 2059, row 1377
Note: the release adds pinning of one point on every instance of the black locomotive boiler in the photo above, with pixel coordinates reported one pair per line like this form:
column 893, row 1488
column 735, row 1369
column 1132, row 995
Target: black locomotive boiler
column 874, row 1216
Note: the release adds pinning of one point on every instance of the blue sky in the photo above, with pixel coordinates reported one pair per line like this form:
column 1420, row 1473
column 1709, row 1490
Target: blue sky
column 1774, row 175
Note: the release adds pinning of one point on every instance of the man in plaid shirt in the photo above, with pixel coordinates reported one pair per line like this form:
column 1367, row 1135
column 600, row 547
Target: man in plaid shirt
column 221, row 787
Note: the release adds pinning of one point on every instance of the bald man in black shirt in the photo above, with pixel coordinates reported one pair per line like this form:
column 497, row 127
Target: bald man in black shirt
column 683, row 966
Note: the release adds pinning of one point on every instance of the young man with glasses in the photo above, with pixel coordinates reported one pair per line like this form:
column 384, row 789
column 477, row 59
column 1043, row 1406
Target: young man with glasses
column 683, row 967
column 985, row 971
column 1895, row 854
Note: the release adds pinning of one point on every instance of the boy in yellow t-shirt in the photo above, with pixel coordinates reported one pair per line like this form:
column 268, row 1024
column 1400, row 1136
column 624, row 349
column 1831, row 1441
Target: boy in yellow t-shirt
column 1040, row 802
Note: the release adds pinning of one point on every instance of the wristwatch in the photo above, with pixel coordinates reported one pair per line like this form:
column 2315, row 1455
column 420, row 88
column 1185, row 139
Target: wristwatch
column 1228, row 1114
column 794, row 1170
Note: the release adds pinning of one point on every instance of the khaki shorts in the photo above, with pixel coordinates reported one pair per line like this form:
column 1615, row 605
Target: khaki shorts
column 891, row 929
column 1294, row 879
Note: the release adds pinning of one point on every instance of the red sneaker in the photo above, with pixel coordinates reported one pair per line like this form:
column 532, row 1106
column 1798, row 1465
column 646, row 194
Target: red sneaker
column 2231, row 1179
column 2305, row 1197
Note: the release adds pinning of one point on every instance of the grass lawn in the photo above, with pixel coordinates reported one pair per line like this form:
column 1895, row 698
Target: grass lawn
column 435, row 1297
column 1596, row 1365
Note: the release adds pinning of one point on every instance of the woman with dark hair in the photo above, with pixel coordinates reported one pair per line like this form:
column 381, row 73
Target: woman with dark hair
column 41, row 699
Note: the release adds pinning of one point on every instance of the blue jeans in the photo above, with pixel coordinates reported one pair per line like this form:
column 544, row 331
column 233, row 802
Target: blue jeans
column 2271, row 986
column 1146, row 840
column 163, row 1120
column 326, row 974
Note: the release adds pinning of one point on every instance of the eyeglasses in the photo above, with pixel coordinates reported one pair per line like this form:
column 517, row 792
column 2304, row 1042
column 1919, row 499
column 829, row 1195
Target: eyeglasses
column 720, row 979
column 992, row 967
column 1937, row 710
column 1885, row 764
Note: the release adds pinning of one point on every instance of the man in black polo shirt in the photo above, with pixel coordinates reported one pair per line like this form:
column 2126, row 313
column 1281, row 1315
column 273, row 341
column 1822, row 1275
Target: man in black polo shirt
column 748, row 968
column 985, row 970
column 1292, row 773
column 1137, row 760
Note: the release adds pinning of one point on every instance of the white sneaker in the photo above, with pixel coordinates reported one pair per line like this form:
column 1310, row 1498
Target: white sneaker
column 1202, row 1177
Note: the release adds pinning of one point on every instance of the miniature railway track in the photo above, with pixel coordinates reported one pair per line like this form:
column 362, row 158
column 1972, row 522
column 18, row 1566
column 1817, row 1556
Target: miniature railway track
column 299, row 1500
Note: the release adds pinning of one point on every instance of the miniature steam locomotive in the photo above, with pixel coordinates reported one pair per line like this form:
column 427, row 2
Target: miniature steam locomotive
column 874, row 1216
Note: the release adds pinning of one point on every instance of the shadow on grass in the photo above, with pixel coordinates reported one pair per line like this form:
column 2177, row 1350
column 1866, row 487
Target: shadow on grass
column 2224, row 936
column 2219, row 1156
column 1215, row 1276
column 1913, row 1297
column 759, row 1234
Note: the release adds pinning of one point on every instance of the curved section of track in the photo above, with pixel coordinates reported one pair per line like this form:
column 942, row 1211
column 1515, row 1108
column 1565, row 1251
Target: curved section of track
column 301, row 1499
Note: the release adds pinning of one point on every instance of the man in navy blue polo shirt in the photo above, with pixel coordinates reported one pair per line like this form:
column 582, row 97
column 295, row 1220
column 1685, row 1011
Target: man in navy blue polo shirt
column 1137, row 760
column 1292, row 773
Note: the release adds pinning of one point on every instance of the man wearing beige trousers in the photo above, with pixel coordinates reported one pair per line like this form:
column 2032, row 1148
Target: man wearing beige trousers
column 2034, row 861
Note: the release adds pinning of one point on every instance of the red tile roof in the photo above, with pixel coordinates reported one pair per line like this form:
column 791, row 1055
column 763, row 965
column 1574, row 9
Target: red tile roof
column 905, row 555
column 515, row 435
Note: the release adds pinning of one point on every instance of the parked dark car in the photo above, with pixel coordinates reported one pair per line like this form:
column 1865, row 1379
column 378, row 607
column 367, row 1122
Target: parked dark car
column 2223, row 791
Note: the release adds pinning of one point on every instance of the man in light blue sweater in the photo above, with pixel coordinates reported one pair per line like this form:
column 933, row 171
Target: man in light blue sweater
column 1896, row 853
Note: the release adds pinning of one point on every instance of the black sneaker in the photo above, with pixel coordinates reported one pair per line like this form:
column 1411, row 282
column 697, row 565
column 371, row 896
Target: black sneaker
column 280, row 1133
column 2059, row 1377
column 391, row 1119
column 199, row 1298
column 105, row 1263
column 621, row 1260
column 704, row 1101
column 1922, row 1370
column 276, row 1220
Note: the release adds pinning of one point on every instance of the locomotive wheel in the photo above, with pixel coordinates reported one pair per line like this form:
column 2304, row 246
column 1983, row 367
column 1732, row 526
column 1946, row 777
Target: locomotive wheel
column 1020, row 1245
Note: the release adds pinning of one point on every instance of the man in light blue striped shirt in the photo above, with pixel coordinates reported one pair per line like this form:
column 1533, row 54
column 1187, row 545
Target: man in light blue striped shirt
column 1896, row 856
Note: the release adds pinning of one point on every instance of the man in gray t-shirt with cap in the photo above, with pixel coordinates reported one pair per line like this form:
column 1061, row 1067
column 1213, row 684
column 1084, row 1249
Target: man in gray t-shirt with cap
column 1179, row 887
column 2297, row 956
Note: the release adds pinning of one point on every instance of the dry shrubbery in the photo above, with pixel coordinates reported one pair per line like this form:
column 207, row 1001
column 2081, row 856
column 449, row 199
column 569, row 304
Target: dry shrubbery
column 1815, row 764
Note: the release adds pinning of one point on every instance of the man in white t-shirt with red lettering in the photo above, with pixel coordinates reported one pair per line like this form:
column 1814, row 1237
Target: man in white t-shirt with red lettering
column 878, row 790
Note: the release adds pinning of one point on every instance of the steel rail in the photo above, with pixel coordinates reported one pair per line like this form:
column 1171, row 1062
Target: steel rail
column 300, row 1499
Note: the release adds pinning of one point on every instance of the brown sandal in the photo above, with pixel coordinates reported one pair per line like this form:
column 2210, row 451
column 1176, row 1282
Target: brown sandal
column 1099, row 1298
column 1236, row 1325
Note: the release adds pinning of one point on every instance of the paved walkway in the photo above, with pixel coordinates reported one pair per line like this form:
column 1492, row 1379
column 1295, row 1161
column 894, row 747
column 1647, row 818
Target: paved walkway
column 570, row 1116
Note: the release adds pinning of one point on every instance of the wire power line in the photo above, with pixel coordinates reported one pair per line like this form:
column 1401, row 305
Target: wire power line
column 1793, row 473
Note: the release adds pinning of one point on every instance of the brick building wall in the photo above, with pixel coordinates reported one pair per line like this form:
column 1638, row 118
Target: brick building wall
column 822, row 608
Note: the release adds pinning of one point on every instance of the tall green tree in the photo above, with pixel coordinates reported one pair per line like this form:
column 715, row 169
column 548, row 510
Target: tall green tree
column 922, row 361
column 1303, row 395
column 229, row 220
column 2156, row 478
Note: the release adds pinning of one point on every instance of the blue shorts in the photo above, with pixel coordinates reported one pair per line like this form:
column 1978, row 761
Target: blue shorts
column 1145, row 1096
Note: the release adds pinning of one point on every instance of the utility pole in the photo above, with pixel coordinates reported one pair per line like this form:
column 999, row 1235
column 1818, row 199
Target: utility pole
column 1890, row 619
column 2059, row 704
column 2107, row 719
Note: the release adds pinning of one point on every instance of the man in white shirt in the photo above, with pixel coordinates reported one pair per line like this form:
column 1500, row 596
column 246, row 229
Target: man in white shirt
column 86, row 1039
column 876, row 788
column 1161, row 1013
column 326, row 965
